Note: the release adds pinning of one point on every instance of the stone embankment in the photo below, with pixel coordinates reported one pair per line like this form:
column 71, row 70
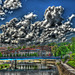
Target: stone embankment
column 65, row 69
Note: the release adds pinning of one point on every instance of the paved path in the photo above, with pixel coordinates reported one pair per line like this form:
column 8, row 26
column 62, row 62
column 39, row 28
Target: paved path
column 70, row 69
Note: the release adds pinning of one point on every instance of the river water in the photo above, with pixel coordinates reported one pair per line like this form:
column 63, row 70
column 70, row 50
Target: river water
column 30, row 73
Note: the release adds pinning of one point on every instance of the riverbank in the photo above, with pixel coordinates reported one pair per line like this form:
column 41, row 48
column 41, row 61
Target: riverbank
column 65, row 69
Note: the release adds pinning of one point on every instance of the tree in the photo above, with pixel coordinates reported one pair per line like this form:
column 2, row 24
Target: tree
column 19, row 47
column 19, row 55
column 38, row 45
column 8, row 48
column 7, row 55
column 32, row 46
column 73, row 44
column 11, row 49
column 0, row 54
column 14, row 55
column 62, row 50
column 69, row 47
column 10, row 55
column 23, row 55
column 54, row 50
column 72, row 56
column 23, row 47
column 52, row 44
column 4, row 55
column 63, row 43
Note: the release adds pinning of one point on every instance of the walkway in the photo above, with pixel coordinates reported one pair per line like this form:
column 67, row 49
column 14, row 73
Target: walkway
column 70, row 69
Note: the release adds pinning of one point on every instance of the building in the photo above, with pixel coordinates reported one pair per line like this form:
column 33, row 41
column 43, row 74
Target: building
column 38, row 51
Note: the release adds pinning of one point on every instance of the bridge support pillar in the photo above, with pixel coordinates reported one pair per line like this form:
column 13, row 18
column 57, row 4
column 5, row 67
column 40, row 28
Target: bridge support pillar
column 15, row 64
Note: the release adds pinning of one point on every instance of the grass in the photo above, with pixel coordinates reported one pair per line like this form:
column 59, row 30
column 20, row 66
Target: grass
column 3, row 66
column 63, row 60
column 71, row 63
column 58, row 63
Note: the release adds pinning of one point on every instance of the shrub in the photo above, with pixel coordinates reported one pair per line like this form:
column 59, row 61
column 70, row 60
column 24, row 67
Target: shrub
column 66, row 57
column 35, row 67
column 19, row 55
column 14, row 55
column 23, row 55
column 58, row 63
column 71, row 63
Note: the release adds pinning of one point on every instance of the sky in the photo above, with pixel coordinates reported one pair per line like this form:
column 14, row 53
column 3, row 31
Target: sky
column 38, row 7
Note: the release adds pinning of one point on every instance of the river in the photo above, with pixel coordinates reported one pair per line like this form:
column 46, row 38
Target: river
column 33, row 72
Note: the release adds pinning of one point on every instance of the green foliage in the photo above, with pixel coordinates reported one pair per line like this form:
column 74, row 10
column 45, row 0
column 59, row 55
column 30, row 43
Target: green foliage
column 1, row 54
column 60, row 50
column 72, row 56
column 7, row 55
column 35, row 67
column 19, row 47
column 8, row 48
column 58, row 63
column 32, row 46
column 14, row 55
column 73, row 44
column 23, row 47
column 39, row 59
column 51, row 44
column 4, row 55
column 31, row 54
column 11, row 49
column 35, row 54
column 63, row 43
column 2, row 66
column 63, row 60
column 69, row 47
column 38, row 45
column 19, row 55
column 71, row 63
column 54, row 50
column 66, row 57
column 23, row 55
column 10, row 55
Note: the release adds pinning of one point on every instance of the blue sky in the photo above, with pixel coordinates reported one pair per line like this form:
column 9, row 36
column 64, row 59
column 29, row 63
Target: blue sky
column 39, row 7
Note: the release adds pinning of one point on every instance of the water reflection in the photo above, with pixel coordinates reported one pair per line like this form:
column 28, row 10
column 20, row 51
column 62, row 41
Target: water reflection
column 29, row 73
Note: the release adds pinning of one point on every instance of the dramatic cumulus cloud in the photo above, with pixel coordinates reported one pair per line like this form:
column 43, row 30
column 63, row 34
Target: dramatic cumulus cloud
column 12, row 4
column 1, row 11
column 41, row 32
column 9, row 5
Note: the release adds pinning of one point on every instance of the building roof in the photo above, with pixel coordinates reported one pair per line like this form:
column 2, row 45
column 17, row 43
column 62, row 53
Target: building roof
column 29, row 49
column 47, row 48
column 3, row 48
